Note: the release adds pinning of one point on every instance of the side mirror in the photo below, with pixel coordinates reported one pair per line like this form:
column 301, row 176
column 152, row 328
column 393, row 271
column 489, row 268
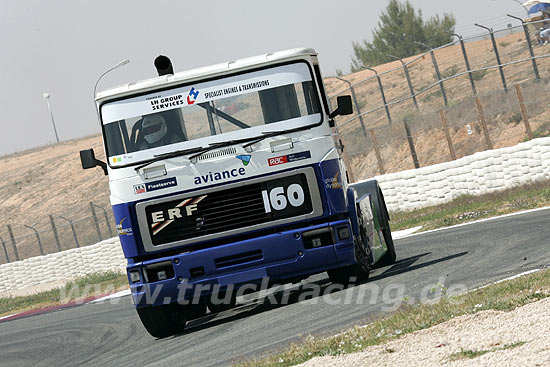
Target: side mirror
column 344, row 107
column 88, row 160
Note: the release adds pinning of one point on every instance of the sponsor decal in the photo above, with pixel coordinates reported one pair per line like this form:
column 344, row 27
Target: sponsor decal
column 155, row 185
column 204, row 92
column 245, row 158
column 333, row 182
column 289, row 158
column 117, row 159
column 167, row 102
column 211, row 177
column 163, row 218
column 139, row 189
column 124, row 231
column 193, row 95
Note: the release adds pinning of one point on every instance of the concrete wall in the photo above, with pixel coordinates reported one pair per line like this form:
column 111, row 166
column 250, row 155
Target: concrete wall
column 476, row 174
column 480, row 173
column 66, row 265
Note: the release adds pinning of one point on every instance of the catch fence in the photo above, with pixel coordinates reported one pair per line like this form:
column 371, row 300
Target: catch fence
column 56, row 233
column 482, row 92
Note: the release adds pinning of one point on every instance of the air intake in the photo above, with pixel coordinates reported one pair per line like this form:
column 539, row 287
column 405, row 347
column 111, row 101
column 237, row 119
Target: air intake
column 217, row 153
column 163, row 65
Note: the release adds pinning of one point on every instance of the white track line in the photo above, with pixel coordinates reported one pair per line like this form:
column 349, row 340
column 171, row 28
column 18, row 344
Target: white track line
column 404, row 232
column 5, row 317
column 505, row 279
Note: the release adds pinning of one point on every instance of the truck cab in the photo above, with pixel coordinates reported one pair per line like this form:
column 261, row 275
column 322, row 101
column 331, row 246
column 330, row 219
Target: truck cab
column 229, row 175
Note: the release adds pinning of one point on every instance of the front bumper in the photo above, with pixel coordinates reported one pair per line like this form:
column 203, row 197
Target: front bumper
column 272, row 258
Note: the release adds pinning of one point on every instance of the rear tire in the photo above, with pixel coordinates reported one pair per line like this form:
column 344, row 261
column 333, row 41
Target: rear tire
column 163, row 321
column 390, row 256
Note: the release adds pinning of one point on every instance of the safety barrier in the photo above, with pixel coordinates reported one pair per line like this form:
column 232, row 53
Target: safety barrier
column 479, row 173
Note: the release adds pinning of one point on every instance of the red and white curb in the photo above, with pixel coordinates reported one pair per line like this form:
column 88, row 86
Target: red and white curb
column 79, row 302
column 123, row 293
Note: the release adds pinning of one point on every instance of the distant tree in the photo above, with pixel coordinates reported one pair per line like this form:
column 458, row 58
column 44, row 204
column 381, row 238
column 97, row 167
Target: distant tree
column 399, row 26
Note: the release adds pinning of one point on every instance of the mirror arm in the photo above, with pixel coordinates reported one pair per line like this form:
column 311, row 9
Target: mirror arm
column 334, row 113
column 103, row 166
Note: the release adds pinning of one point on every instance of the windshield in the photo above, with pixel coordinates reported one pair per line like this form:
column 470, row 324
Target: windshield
column 138, row 128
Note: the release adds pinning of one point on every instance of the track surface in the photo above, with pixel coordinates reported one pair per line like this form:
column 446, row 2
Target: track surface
column 111, row 334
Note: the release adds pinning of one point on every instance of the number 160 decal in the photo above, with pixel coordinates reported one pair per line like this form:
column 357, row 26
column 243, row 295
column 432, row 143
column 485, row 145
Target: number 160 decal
column 277, row 200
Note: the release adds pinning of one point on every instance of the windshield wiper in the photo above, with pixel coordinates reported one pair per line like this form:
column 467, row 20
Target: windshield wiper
column 176, row 153
column 269, row 134
column 200, row 150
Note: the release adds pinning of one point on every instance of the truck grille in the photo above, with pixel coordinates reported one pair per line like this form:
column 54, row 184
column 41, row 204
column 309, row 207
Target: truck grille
column 208, row 213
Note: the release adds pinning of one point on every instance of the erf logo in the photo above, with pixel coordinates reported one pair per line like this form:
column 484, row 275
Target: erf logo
column 193, row 95
column 162, row 219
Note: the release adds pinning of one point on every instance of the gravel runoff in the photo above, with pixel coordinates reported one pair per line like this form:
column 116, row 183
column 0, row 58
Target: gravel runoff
column 485, row 330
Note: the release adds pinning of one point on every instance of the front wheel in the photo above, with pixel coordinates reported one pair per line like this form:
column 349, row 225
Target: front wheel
column 361, row 269
column 220, row 304
column 163, row 321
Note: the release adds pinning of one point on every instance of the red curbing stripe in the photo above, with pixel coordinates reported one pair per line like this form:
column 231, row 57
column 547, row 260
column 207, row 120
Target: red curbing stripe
column 49, row 309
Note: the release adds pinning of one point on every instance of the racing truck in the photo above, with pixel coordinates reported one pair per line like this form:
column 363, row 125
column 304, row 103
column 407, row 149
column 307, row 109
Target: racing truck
column 230, row 175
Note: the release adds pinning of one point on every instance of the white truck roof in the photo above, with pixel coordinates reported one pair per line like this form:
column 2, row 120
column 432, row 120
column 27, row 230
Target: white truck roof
column 212, row 70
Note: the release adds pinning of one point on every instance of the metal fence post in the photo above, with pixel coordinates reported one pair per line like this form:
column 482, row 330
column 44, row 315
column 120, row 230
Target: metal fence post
column 408, row 77
column 411, row 144
column 483, row 123
column 354, row 97
column 96, row 222
column 347, row 162
column 37, row 238
column 467, row 62
column 5, row 250
column 72, row 229
column 382, row 93
column 56, row 237
column 523, row 111
column 437, row 73
column 529, row 45
column 377, row 152
column 447, row 134
column 106, row 218
column 441, row 86
column 14, row 245
column 495, row 48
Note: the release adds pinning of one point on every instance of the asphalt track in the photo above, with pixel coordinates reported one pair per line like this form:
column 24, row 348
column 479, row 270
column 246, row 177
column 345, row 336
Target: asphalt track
column 111, row 335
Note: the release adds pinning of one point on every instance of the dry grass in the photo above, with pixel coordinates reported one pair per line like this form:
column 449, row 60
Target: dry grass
column 468, row 208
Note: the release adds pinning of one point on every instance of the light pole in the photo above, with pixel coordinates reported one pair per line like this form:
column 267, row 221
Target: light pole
column 122, row 63
column 47, row 98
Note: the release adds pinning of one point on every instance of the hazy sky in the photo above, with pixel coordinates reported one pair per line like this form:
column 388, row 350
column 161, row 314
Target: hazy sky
column 61, row 47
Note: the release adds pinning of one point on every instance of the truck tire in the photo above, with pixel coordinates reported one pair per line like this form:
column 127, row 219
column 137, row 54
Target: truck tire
column 361, row 269
column 163, row 321
column 390, row 256
column 215, row 308
column 196, row 311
